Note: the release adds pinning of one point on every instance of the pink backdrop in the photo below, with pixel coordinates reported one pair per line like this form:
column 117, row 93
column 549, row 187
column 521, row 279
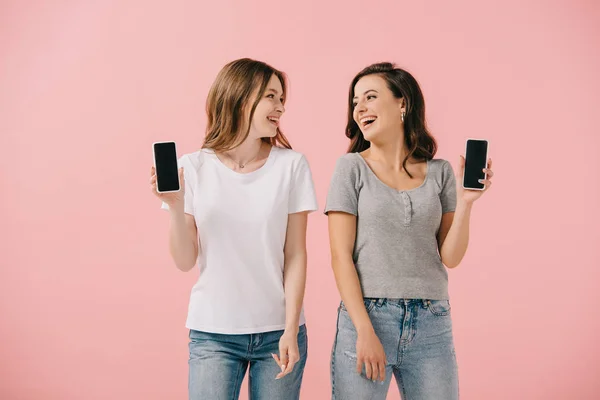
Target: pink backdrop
column 91, row 305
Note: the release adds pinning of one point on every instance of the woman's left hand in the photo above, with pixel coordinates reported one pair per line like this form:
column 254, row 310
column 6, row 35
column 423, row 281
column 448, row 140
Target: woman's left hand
column 467, row 195
column 289, row 354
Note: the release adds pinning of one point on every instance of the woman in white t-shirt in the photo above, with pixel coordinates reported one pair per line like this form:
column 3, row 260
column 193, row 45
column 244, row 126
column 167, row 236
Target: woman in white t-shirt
column 242, row 215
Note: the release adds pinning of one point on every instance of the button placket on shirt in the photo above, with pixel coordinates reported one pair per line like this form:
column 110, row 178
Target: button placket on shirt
column 407, row 208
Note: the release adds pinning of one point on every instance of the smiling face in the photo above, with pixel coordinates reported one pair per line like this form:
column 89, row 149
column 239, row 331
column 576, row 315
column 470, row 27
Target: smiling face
column 269, row 109
column 377, row 112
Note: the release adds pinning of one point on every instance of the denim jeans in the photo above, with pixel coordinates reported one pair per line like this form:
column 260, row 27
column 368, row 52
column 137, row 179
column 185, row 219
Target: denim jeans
column 218, row 363
column 417, row 339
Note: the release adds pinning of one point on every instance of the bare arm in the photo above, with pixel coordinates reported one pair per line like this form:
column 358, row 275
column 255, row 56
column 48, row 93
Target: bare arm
column 294, row 282
column 183, row 240
column 183, row 235
column 369, row 350
column 453, row 236
column 294, row 273
column 342, row 234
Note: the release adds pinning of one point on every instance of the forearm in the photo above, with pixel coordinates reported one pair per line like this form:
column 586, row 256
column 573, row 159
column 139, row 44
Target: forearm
column 456, row 242
column 183, row 244
column 348, row 284
column 294, row 283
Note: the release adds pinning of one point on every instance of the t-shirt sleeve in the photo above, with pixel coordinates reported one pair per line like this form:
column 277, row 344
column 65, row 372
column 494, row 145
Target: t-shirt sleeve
column 448, row 192
column 189, row 176
column 343, row 188
column 302, row 190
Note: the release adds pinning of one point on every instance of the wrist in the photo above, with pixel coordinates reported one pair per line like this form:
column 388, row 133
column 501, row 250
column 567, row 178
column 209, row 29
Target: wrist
column 176, row 209
column 293, row 329
column 463, row 205
column 365, row 329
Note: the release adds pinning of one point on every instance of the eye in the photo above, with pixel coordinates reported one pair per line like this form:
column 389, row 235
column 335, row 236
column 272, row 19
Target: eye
column 354, row 104
column 371, row 96
column 271, row 96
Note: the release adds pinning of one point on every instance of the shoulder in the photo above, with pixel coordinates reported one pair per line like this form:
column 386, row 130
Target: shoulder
column 290, row 160
column 441, row 170
column 349, row 168
column 191, row 162
column 439, row 164
column 349, row 161
column 287, row 155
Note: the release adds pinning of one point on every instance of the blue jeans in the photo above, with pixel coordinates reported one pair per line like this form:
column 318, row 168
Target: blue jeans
column 219, row 362
column 417, row 338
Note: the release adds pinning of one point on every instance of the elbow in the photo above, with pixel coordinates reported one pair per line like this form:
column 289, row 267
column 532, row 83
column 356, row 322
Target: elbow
column 185, row 267
column 451, row 263
column 295, row 258
column 185, row 264
column 338, row 260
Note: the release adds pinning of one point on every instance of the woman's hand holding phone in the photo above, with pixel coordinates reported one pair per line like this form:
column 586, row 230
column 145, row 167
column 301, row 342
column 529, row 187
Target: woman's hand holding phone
column 173, row 199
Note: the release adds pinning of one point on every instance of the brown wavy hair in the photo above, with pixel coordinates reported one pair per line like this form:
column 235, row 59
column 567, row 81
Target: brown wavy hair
column 228, row 99
column 417, row 138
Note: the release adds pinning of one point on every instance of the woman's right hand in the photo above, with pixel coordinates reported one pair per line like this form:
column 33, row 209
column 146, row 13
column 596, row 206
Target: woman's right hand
column 174, row 199
column 370, row 353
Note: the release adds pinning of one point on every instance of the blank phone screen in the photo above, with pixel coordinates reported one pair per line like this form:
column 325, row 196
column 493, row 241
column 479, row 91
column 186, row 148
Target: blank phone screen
column 475, row 162
column 167, row 177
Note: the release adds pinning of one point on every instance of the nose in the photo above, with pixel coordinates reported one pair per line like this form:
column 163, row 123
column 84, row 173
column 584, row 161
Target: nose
column 280, row 108
column 360, row 107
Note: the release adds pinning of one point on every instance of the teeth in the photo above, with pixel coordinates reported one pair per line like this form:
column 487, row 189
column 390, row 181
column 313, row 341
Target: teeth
column 367, row 119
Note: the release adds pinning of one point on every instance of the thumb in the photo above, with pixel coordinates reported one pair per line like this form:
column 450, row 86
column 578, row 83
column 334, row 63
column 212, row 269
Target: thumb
column 461, row 167
column 181, row 179
column 283, row 358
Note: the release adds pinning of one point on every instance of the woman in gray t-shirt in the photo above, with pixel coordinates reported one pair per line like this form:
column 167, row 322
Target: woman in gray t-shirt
column 397, row 220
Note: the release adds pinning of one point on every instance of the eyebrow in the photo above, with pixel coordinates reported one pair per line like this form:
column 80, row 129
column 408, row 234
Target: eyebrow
column 370, row 90
column 271, row 90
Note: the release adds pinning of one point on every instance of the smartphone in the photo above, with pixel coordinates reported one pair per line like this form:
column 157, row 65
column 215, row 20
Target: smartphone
column 165, row 164
column 476, row 155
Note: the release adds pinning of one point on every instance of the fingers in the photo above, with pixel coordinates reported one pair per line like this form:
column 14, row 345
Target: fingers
column 461, row 167
column 292, row 360
column 280, row 360
column 153, row 183
column 181, row 179
column 276, row 358
column 375, row 369
column 382, row 371
column 486, row 182
column 368, row 370
column 488, row 172
column 283, row 358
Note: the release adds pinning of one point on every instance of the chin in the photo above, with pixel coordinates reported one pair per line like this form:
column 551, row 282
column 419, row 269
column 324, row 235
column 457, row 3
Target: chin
column 369, row 136
column 270, row 133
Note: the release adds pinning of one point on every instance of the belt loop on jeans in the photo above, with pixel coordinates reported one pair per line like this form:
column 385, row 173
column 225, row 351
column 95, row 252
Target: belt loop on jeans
column 380, row 301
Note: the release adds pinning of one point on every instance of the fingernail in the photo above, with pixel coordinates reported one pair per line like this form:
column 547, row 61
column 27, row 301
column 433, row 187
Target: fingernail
column 480, row 181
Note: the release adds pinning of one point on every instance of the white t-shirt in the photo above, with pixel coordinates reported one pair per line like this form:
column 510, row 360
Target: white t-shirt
column 242, row 223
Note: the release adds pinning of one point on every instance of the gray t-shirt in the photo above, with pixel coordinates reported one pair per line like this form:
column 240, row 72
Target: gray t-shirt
column 396, row 250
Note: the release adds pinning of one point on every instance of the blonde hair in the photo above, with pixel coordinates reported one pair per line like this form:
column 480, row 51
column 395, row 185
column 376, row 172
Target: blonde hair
column 229, row 98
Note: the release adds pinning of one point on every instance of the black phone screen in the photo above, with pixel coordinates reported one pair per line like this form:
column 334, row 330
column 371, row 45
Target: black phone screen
column 167, row 174
column 475, row 162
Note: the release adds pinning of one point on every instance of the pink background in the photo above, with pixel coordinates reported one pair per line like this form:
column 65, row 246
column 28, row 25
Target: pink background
column 91, row 306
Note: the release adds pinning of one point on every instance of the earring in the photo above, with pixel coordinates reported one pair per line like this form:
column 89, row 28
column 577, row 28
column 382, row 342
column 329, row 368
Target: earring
column 403, row 116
